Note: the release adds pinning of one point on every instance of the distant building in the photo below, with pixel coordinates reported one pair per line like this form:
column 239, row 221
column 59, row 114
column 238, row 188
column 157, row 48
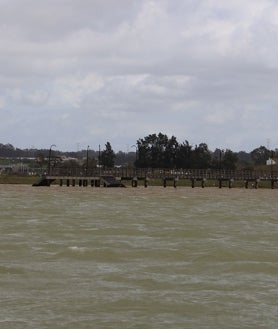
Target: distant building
column 270, row 162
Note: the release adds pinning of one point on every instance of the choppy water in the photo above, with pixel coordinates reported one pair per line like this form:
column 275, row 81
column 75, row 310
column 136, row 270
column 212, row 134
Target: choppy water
column 138, row 258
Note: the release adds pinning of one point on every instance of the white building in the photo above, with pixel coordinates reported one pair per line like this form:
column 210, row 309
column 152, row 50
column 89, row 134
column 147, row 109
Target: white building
column 270, row 162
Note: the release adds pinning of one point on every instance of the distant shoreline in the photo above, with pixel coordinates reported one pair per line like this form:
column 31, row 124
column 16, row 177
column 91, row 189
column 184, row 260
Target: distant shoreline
column 17, row 179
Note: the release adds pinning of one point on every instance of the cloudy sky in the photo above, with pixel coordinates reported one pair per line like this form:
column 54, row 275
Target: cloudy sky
column 82, row 72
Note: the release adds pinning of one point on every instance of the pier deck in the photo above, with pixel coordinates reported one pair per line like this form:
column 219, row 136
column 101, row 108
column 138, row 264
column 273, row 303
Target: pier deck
column 114, row 177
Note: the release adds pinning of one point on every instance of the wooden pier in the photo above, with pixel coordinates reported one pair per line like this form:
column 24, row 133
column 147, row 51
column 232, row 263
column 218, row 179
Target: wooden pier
column 117, row 177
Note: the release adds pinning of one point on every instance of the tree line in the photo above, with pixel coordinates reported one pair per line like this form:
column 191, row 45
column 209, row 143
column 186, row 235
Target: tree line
column 160, row 151
column 153, row 151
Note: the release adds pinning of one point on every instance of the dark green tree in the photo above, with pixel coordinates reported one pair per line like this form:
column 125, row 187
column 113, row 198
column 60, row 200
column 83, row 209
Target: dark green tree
column 184, row 155
column 230, row 160
column 201, row 157
column 157, row 147
column 107, row 157
column 157, row 151
column 244, row 161
column 260, row 155
column 144, row 157
column 170, row 153
column 151, row 151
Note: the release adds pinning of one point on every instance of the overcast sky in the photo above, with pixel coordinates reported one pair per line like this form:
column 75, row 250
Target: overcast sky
column 82, row 72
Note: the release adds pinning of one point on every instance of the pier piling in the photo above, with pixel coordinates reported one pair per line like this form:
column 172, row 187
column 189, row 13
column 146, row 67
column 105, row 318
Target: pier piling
column 134, row 182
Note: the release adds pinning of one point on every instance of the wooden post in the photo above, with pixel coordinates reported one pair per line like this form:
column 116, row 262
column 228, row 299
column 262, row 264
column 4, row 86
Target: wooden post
column 92, row 183
column 61, row 182
column 246, row 184
column 192, row 182
column 164, row 182
column 203, row 183
column 272, row 183
column 220, row 183
column 80, row 182
column 134, row 182
column 256, row 184
column 73, row 182
column 68, row 182
column 146, row 182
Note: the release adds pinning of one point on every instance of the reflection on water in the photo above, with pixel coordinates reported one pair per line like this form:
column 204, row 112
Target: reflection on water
column 138, row 258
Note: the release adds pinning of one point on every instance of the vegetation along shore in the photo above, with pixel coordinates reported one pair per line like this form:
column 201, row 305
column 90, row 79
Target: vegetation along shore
column 25, row 166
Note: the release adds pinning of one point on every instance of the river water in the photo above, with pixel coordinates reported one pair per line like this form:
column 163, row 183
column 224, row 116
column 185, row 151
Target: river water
column 158, row 257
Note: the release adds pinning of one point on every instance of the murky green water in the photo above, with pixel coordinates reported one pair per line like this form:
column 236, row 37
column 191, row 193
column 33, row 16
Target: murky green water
column 138, row 258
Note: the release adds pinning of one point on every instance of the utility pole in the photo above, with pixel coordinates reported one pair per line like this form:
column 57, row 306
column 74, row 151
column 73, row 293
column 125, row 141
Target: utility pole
column 49, row 157
column 87, row 160
column 99, row 164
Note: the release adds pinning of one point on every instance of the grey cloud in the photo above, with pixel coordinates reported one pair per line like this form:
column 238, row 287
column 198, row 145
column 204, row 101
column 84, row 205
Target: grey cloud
column 200, row 70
